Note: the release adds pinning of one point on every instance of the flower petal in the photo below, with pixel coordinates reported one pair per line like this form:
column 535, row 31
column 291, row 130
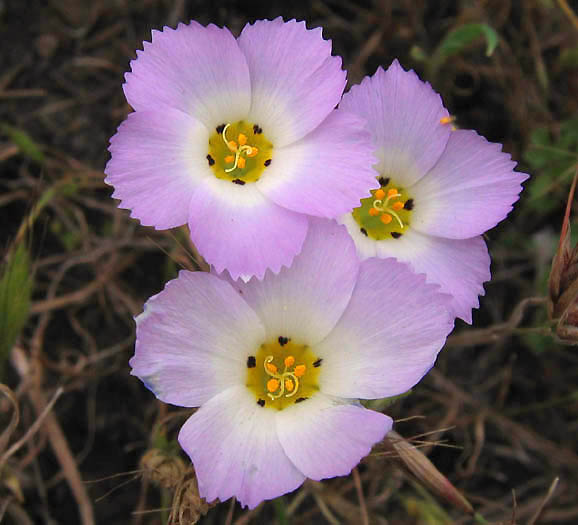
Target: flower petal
column 234, row 447
column 459, row 266
column 327, row 172
column 469, row 190
column 295, row 82
column 305, row 301
column 193, row 338
column 403, row 115
column 366, row 246
column 236, row 228
column 157, row 160
column 325, row 437
column 199, row 70
column 389, row 335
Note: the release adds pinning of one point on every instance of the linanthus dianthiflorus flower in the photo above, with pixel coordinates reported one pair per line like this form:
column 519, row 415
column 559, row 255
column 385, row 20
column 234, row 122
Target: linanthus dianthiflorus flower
column 239, row 138
column 277, row 366
column 440, row 188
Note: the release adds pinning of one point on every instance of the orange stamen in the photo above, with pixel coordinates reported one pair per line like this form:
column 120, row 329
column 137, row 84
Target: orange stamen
column 379, row 194
column 232, row 145
column 447, row 120
column 230, row 158
column 289, row 385
column 392, row 192
column 386, row 218
column 396, row 206
column 374, row 212
column 241, row 162
column 271, row 367
column 273, row 385
column 242, row 139
column 289, row 361
column 300, row 370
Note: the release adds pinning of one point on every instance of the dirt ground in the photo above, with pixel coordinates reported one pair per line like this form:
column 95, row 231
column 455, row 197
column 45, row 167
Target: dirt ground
column 498, row 415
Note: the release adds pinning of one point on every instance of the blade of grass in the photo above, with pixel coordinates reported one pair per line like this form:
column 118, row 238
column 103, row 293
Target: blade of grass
column 15, row 291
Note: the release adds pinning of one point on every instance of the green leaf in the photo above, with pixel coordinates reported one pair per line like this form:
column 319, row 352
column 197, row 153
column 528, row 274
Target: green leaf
column 459, row 39
column 552, row 159
column 27, row 146
column 462, row 37
column 15, row 292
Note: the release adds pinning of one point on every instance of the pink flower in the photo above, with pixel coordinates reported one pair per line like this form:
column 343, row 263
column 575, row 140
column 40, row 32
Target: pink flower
column 239, row 139
column 277, row 366
column 441, row 189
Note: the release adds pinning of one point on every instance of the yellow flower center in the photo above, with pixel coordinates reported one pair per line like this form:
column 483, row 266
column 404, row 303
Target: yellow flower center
column 386, row 214
column 239, row 152
column 282, row 373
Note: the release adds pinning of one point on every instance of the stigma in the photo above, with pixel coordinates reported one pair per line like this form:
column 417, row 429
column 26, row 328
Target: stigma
column 283, row 372
column 239, row 152
column 240, row 148
column 286, row 383
column 386, row 213
column 387, row 205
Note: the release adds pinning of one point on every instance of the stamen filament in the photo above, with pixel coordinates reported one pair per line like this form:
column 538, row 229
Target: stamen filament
column 237, row 155
column 389, row 210
column 270, row 372
column 296, row 383
column 224, row 135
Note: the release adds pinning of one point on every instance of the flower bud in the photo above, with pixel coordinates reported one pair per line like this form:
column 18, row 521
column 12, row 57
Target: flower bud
column 563, row 282
column 426, row 472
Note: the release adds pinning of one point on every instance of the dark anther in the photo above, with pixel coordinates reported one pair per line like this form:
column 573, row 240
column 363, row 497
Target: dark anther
column 220, row 128
column 384, row 181
column 364, row 231
column 300, row 399
column 408, row 204
column 238, row 181
column 211, row 160
column 251, row 361
column 267, row 162
column 396, row 235
column 283, row 340
column 257, row 129
column 317, row 363
column 261, row 402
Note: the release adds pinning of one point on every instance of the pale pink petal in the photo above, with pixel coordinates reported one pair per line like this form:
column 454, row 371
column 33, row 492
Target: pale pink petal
column 326, row 437
column 471, row 188
column 366, row 246
column 327, row 172
column 193, row 339
column 305, row 301
column 403, row 114
column 238, row 229
column 158, row 158
column 234, row 447
column 295, row 82
column 389, row 335
column 460, row 267
column 198, row 70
